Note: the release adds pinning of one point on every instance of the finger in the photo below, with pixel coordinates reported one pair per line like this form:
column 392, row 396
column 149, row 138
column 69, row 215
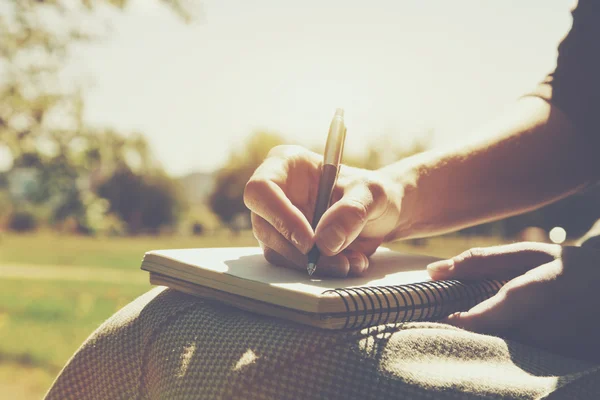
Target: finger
column 345, row 219
column 266, row 198
column 337, row 266
column 366, row 246
column 498, row 262
column 358, row 262
column 279, row 251
column 490, row 316
column 504, row 312
column 269, row 237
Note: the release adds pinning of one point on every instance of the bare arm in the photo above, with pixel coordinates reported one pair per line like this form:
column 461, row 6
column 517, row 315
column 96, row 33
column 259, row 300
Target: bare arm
column 540, row 151
column 528, row 158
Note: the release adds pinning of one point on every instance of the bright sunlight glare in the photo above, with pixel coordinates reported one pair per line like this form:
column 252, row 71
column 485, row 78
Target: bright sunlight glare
column 398, row 68
column 557, row 235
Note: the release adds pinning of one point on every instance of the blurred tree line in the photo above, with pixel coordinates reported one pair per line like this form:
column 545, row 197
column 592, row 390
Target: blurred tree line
column 55, row 167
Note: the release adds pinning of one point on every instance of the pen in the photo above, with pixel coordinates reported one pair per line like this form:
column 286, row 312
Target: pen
column 329, row 172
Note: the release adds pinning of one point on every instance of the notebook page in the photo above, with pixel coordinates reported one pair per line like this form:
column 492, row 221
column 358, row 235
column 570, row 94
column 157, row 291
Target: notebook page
column 246, row 265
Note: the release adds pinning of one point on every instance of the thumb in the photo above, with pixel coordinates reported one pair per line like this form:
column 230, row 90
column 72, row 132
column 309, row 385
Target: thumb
column 493, row 315
column 497, row 262
column 343, row 221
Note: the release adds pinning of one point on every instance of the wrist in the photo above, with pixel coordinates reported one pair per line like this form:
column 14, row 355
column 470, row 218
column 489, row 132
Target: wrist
column 402, row 178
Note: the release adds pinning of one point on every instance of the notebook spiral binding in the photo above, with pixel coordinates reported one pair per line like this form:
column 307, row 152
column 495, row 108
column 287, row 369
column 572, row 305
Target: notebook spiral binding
column 424, row 301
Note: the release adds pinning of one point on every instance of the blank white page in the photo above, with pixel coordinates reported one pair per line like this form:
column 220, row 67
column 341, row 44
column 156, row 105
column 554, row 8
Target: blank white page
column 241, row 266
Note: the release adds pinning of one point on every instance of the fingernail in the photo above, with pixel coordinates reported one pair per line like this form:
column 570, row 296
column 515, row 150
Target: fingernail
column 300, row 243
column 440, row 266
column 332, row 238
column 358, row 263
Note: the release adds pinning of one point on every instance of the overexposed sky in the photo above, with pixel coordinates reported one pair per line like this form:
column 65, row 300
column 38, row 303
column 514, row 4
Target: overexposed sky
column 397, row 68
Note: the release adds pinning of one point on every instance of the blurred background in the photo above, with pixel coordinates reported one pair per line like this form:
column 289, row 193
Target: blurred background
column 131, row 125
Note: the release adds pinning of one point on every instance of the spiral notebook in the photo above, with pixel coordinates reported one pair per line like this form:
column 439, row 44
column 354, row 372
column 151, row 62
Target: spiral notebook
column 396, row 287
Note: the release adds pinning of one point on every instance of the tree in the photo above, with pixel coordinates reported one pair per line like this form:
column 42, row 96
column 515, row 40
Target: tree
column 146, row 203
column 226, row 200
column 32, row 53
column 60, row 155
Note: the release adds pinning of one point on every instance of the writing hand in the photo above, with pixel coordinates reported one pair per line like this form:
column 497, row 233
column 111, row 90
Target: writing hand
column 551, row 300
column 281, row 195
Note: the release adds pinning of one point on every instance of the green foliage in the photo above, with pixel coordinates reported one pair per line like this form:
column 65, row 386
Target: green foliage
column 146, row 203
column 227, row 198
column 65, row 184
column 22, row 221
column 41, row 120
column 198, row 229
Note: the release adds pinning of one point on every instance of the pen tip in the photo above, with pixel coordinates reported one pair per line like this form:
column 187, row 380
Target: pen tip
column 311, row 268
column 339, row 112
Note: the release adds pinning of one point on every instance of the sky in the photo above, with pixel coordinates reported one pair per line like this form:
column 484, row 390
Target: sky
column 397, row 68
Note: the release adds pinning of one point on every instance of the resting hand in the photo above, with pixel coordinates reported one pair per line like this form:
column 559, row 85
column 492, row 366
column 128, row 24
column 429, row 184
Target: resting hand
column 551, row 300
column 281, row 196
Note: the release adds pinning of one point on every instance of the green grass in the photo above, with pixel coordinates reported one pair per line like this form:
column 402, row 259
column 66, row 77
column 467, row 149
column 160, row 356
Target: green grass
column 42, row 322
column 110, row 252
column 44, row 317
column 126, row 253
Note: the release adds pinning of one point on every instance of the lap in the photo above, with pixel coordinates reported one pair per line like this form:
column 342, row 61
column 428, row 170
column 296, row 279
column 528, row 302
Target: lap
column 170, row 345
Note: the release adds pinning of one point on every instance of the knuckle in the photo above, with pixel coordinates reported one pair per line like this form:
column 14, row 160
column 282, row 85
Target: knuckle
column 510, row 292
column 281, row 227
column 357, row 209
column 253, row 189
column 295, row 154
column 285, row 150
column 376, row 187
column 506, row 293
column 477, row 252
column 266, row 232
column 379, row 195
column 473, row 254
column 277, row 150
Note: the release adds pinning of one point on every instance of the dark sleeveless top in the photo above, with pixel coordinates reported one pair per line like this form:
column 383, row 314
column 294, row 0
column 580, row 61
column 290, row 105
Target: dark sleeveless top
column 574, row 86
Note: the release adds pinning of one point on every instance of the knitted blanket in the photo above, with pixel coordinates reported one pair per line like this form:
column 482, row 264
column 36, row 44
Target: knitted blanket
column 169, row 345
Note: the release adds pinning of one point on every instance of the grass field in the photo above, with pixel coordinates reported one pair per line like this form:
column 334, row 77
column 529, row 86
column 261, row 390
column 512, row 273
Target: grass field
column 56, row 290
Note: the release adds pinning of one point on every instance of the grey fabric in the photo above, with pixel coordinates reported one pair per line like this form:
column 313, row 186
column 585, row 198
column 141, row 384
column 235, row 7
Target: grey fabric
column 168, row 345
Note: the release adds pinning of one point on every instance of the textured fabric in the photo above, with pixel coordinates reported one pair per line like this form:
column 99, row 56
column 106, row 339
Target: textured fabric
column 168, row 345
